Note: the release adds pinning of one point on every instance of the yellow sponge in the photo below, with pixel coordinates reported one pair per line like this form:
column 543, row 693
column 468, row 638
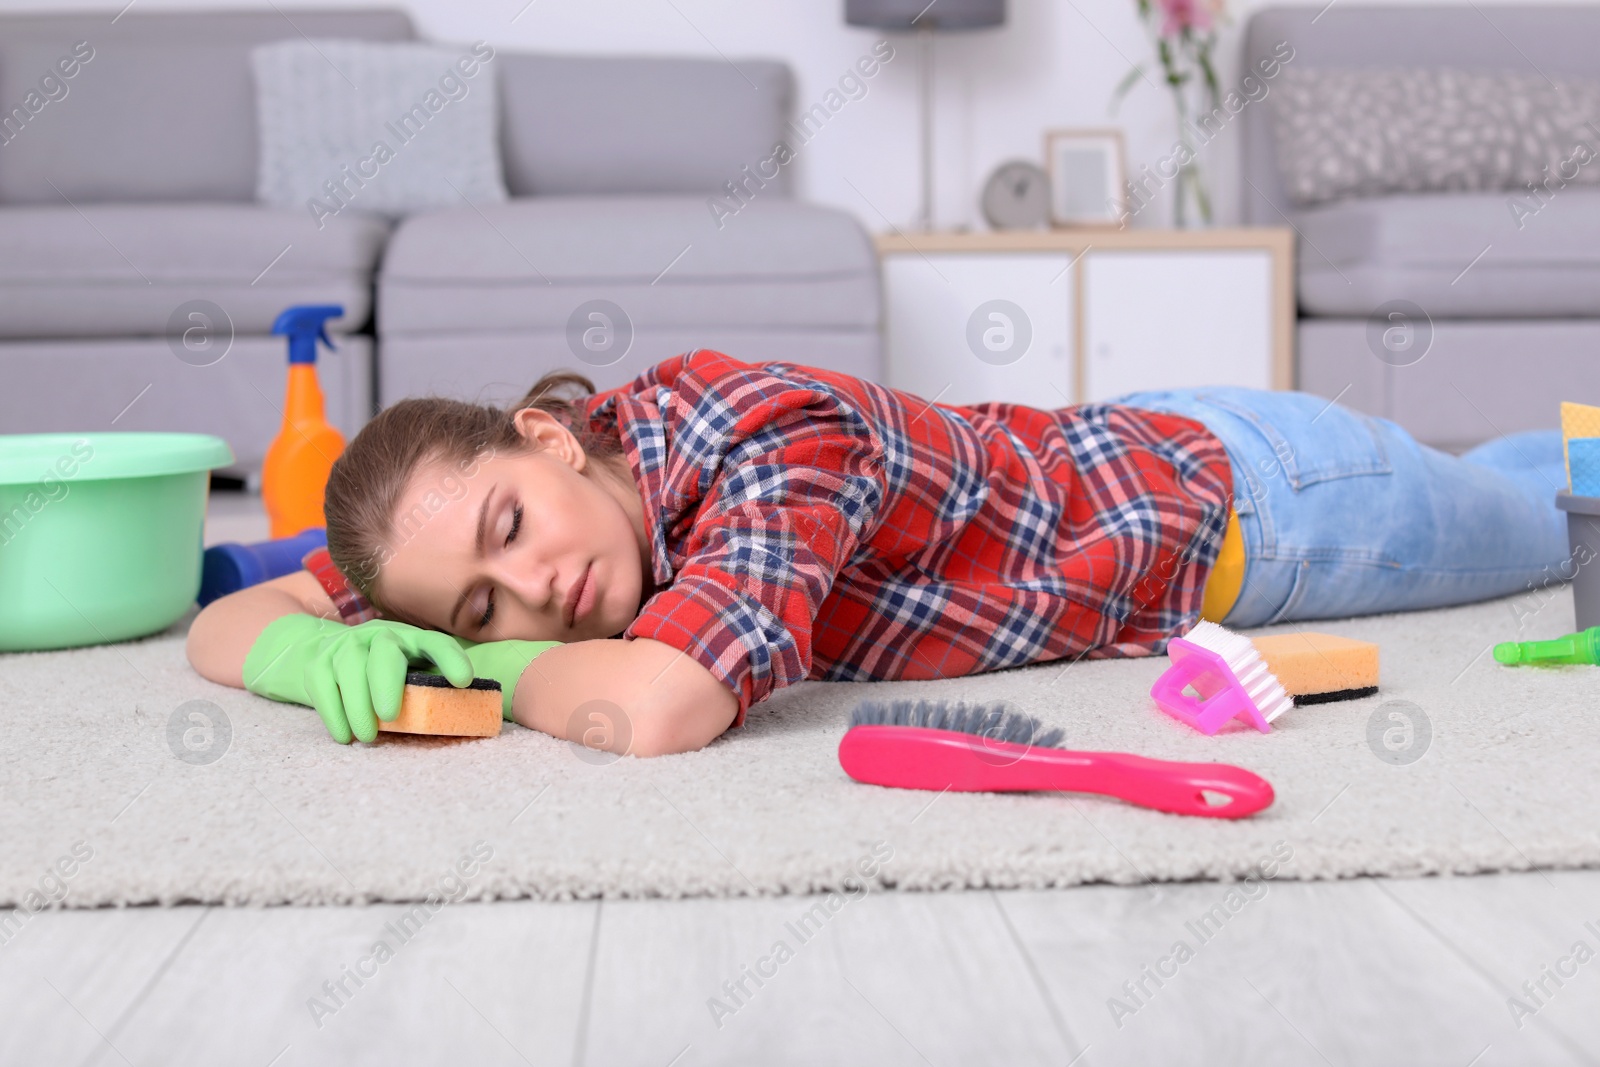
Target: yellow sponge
column 1315, row 668
column 1577, row 420
column 431, row 705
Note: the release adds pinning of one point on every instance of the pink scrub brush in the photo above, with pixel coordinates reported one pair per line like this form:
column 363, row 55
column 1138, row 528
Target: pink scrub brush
column 932, row 745
column 1218, row 676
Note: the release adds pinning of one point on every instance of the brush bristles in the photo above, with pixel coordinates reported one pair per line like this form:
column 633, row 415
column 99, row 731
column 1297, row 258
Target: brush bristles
column 991, row 721
column 1260, row 684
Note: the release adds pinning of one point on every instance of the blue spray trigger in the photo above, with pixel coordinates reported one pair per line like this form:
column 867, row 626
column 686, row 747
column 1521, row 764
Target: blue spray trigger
column 305, row 325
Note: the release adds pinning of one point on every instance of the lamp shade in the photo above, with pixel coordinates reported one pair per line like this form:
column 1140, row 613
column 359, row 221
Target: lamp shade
column 938, row 15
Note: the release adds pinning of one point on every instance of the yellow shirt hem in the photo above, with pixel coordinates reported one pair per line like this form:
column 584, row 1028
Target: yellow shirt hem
column 1227, row 575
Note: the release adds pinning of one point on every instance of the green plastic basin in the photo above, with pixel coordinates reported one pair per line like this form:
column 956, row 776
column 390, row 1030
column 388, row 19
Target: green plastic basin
column 100, row 534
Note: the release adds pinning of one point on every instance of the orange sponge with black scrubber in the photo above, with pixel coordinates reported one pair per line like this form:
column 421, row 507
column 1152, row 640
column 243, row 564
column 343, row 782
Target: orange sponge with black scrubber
column 1315, row 668
column 431, row 705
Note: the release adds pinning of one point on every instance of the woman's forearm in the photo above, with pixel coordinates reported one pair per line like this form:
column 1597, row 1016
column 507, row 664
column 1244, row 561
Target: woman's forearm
column 641, row 697
column 221, row 635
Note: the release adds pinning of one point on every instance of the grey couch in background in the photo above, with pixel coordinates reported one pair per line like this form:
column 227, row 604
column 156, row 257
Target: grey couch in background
column 1513, row 335
column 131, row 198
column 610, row 163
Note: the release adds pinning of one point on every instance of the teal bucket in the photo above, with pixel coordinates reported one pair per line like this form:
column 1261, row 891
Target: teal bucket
column 100, row 534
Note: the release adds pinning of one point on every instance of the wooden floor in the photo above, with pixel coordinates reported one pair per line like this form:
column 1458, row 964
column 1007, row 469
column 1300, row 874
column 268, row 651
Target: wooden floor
column 1360, row 972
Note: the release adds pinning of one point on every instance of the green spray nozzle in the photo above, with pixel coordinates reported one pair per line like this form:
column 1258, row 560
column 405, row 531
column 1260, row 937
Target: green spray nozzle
column 306, row 324
column 1581, row 647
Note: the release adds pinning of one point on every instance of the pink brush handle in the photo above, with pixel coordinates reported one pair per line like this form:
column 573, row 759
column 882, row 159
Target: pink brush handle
column 914, row 757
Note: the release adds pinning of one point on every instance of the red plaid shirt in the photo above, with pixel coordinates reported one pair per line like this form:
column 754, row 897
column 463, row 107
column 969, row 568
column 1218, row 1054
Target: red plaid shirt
column 808, row 524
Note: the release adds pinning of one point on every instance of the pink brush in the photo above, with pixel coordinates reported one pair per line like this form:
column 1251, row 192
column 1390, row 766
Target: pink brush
column 1218, row 676
column 931, row 745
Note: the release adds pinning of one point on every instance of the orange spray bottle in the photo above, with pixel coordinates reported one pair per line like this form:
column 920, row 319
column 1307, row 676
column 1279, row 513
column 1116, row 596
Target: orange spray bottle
column 300, row 457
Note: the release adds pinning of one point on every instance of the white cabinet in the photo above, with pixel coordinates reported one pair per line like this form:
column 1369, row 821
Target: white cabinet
column 971, row 328
column 1063, row 317
column 1170, row 320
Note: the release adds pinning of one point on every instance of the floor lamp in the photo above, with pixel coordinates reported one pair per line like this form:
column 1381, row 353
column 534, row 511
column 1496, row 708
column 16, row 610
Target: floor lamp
column 925, row 18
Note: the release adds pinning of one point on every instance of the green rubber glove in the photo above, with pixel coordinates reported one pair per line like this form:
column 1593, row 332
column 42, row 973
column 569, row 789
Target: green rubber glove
column 504, row 661
column 352, row 675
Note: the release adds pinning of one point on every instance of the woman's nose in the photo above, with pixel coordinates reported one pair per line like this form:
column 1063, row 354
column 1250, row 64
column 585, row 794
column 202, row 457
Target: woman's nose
column 532, row 580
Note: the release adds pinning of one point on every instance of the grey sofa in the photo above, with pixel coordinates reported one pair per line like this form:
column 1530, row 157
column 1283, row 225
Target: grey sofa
column 139, row 278
column 610, row 163
column 131, row 197
column 1515, row 312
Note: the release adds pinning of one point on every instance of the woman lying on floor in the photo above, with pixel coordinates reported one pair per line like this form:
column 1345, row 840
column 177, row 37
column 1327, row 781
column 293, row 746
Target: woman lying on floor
column 743, row 527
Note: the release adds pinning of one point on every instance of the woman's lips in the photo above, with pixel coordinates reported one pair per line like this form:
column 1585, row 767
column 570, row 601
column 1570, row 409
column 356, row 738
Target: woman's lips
column 580, row 598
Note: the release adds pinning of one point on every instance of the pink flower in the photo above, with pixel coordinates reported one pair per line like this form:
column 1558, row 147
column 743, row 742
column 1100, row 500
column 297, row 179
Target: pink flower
column 1180, row 15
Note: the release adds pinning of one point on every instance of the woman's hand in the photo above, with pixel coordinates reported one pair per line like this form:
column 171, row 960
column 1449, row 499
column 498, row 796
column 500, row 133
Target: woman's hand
column 505, row 662
column 352, row 675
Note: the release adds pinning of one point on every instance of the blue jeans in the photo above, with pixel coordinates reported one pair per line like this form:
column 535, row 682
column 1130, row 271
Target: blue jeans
column 1344, row 514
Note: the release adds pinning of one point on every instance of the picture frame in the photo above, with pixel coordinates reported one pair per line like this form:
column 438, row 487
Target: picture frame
column 1088, row 171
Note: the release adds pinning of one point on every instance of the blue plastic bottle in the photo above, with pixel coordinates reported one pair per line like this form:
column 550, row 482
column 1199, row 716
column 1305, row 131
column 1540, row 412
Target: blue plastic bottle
column 231, row 567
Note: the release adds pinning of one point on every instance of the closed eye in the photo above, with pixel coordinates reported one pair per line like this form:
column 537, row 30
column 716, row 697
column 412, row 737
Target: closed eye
column 516, row 525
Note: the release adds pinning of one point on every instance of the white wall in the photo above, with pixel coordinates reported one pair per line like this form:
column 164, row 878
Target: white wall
column 1054, row 64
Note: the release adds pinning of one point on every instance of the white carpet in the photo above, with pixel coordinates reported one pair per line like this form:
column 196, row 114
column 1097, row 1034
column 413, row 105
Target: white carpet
column 1508, row 782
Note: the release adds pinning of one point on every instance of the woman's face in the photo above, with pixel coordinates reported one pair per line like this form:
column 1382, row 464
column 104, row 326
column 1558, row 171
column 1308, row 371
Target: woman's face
column 540, row 546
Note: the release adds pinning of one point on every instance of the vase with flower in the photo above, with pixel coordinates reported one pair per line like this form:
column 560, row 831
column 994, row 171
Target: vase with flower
column 1184, row 33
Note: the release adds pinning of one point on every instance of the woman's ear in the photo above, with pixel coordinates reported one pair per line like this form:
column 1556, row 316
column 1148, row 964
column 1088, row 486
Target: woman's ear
column 545, row 433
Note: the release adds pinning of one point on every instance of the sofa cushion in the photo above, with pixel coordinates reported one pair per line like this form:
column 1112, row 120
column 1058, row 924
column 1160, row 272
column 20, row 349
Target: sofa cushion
column 326, row 144
column 528, row 265
column 1554, row 40
column 164, row 109
column 117, row 270
column 1363, row 132
column 636, row 124
column 90, row 145
column 1456, row 255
